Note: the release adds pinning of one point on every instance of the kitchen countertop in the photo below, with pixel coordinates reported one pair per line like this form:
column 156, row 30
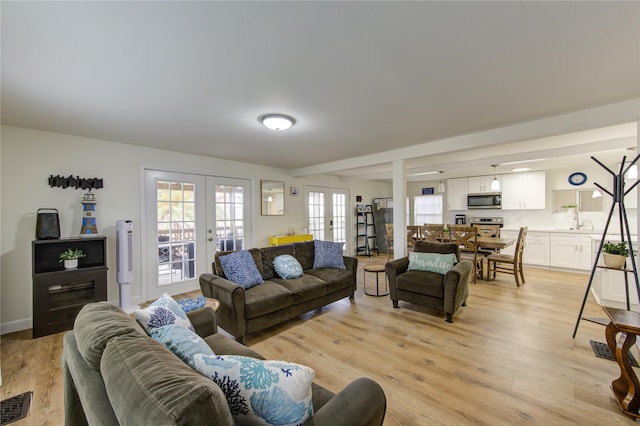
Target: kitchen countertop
column 565, row 231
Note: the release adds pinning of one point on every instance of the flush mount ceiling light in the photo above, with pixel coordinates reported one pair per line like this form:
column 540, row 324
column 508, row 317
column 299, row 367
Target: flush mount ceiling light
column 277, row 122
column 495, row 183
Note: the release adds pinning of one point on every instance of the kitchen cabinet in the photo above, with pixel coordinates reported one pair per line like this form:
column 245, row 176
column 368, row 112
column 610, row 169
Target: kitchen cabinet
column 457, row 194
column 480, row 184
column 524, row 191
column 570, row 251
column 536, row 250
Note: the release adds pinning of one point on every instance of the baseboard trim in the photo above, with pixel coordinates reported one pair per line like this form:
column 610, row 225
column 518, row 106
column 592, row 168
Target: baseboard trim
column 27, row 323
column 13, row 326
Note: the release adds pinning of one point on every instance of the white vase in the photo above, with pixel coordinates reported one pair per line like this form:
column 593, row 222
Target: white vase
column 71, row 264
column 614, row 261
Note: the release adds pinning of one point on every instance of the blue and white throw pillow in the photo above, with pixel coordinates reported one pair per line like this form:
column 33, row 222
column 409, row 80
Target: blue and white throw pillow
column 191, row 304
column 287, row 267
column 257, row 391
column 240, row 268
column 328, row 254
column 433, row 262
column 163, row 312
column 184, row 343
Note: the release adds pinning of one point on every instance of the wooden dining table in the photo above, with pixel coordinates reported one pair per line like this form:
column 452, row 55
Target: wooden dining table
column 494, row 242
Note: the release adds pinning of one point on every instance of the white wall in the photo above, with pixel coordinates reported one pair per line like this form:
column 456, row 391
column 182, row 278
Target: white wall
column 28, row 157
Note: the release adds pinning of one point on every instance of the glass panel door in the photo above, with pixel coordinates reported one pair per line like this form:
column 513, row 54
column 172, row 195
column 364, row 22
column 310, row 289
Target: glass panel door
column 174, row 220
column 327, row 217
column 228, row 223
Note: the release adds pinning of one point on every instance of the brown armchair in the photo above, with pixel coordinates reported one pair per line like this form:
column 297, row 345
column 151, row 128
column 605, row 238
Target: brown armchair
column 446, row 292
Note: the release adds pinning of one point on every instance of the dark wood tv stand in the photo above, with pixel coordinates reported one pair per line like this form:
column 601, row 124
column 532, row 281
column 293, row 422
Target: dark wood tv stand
column 59, row 294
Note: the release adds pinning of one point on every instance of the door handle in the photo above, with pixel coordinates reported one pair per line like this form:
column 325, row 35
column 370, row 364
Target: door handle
column 210, row 238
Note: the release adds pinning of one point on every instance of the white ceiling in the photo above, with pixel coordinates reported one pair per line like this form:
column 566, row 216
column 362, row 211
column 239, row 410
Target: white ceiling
column 368, row 82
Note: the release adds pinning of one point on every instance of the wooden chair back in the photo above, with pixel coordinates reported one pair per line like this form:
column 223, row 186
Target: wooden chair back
column 388, row 229
column 465, row 236
column 520, row 243
column 413, row 235
column 488, row 230
column 433, row 232
column 467, row 239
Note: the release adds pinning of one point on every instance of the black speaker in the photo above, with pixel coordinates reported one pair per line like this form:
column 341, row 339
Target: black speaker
column 47, row 224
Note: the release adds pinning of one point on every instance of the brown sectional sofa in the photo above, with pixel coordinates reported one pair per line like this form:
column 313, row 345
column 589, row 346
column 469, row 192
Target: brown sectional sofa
column 115, row 374
column 276, row 300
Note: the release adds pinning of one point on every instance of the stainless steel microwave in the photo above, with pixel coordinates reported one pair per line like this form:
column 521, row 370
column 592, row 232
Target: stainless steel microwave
column 485, row 200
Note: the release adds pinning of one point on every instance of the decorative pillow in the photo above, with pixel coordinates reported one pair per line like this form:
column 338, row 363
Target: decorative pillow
column 276, row 392
column 433, row 262
column 328, row 254
column 240, row 268
column 287, row 266
column 161, row 313
column 184, row 343
column 191, row 304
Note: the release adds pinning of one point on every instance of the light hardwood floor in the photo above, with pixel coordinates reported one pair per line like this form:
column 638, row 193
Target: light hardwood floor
column 507, row 359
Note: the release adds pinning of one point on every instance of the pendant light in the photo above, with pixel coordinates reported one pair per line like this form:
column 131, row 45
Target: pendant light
column 495, row 183
column 440, row 185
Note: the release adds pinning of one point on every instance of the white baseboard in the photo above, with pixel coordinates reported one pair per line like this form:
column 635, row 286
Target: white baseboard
column 25, row 324
column 13, row 326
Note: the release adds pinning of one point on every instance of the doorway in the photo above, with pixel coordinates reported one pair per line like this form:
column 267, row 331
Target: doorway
column 188, row 217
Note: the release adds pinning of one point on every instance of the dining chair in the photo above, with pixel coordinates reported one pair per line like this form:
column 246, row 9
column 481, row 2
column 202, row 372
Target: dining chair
column 508, row 264
column 433, row 232
column 467, row 239
column 388, row 229
column 485, row 230
column 413, row 235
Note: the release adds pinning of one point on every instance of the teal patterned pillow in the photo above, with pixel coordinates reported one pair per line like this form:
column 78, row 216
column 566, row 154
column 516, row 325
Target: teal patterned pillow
column 328, row 254
column 258, row 391
column 240, row 268
column 162, row 313
column 287, row 266
column 184, row 343
column 434, row 262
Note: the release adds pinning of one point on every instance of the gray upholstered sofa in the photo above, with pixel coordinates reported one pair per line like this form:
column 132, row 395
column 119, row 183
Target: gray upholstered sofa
column 114, row 374
column 445, row 292
column 243, row 311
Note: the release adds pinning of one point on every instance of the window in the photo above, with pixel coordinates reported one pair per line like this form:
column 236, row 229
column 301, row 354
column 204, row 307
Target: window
column 427, row 209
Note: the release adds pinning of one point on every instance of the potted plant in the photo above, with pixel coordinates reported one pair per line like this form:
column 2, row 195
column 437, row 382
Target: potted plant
column 571, row 208
column 615, row 254
column 70, row 258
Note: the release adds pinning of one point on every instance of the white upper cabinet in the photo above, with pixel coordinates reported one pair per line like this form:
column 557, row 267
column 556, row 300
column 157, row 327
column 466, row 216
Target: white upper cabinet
column 457, row 194
column 524, row 191
column 480, row 184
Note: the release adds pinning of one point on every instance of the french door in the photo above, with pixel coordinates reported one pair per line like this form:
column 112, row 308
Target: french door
column 326, row 211
column 188, row 217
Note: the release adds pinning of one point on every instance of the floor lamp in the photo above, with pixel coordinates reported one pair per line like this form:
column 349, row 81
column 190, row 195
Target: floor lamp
column 618, row 193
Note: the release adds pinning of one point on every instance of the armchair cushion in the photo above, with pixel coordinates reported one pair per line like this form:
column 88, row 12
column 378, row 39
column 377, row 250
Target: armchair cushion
column 433, row 262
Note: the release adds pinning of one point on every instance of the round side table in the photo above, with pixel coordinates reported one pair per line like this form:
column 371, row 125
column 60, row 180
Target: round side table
column 213, row 304
column 377, row 269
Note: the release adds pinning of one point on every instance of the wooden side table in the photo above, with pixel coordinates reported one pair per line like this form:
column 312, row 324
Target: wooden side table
column 213, row 304
column 377, row 269
column 626, row 388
